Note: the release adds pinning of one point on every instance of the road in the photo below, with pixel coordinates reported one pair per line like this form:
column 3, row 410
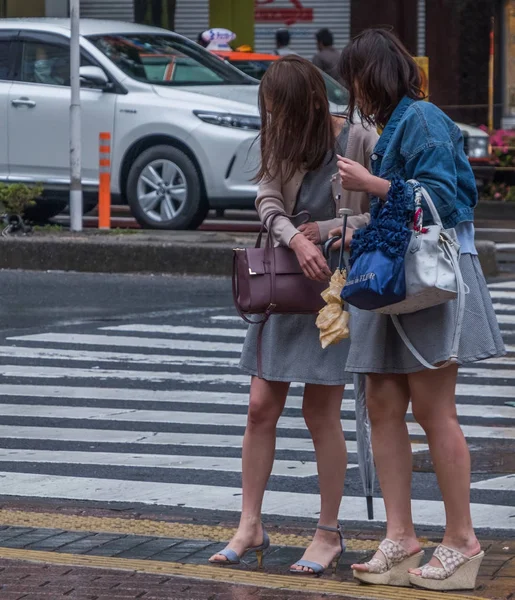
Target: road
column 126, row 389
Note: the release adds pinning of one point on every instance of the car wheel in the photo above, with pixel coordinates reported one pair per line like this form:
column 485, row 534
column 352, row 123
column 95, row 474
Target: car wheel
column 44, row 210
column 164, row 190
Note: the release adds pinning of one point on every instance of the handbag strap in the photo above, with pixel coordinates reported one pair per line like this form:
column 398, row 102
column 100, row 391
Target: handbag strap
column 429, row 201
column 271, row 219
column 460, row 314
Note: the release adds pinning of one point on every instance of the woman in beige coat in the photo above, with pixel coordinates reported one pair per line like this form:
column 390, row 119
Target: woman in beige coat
column 299, row 143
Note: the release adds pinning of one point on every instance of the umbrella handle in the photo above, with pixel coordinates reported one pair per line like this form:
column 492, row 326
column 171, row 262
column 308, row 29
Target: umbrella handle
column 370, row 508
column 345, row 213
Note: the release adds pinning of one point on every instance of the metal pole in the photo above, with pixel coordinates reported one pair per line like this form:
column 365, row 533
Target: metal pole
column 491, row 67
column 75, row 121
column 421, row 28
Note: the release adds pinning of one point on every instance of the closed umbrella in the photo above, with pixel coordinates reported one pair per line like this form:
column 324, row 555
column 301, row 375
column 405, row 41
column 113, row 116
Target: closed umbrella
column 333, row 322
column 364, row 443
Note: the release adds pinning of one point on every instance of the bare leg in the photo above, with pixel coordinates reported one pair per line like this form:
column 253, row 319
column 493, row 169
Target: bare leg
column 434, row 407
column 387, row 400
column 321, row 408
column 267, row 399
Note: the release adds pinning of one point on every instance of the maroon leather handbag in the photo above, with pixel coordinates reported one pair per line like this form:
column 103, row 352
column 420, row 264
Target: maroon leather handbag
column 269, row 280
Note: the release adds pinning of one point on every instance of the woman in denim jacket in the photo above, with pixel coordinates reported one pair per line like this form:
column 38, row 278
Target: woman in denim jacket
column 418, row 142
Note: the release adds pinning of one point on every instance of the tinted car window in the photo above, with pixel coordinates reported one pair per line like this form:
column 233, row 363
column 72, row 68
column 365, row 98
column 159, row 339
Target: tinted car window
column 167, row 60
column 160, row 69
column 4, row 59
column 47, row 64
column 254, row 68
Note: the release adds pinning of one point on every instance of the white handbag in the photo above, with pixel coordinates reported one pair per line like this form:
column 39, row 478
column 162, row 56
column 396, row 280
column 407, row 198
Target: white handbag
column 433, row 276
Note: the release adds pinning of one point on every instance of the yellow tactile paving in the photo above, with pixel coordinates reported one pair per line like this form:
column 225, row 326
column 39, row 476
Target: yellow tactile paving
column 187, row 531
column 254, row 578
column 212, row 533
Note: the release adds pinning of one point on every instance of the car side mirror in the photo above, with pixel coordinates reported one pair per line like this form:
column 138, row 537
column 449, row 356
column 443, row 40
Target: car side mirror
column 94, row 76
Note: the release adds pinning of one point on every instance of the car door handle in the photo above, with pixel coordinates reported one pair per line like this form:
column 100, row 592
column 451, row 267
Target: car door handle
column 23, row 102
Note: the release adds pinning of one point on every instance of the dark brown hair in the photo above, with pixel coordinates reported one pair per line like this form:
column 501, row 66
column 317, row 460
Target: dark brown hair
column 298, row 131
column 378, row 71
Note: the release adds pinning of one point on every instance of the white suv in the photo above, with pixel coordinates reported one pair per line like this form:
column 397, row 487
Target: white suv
column 183, row 122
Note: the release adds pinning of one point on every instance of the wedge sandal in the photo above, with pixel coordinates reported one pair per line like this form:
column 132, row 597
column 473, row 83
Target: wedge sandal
column 393, row 568
column 458, row 572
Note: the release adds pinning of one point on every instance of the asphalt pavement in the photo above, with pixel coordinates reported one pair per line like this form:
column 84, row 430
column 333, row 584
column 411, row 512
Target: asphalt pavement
column 123, row 392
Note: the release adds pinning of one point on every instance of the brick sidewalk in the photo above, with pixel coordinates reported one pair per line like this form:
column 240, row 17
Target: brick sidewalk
column 25, row 581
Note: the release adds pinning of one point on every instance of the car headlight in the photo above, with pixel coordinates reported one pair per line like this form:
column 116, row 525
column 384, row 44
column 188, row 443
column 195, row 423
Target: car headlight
column 478, row 147
column 248, row 122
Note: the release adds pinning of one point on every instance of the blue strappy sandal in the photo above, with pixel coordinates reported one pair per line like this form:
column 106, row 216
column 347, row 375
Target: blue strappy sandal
column 317, row 569
column 233, row 558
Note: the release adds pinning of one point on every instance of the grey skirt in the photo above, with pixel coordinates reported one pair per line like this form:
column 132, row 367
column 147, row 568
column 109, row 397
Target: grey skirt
column 377, row 348
column 292, row 352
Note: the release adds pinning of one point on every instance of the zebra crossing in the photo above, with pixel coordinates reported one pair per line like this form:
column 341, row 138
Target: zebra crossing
column 153, row 411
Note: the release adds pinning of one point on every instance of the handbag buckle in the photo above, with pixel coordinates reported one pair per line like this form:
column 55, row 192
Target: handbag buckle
column 251, row 272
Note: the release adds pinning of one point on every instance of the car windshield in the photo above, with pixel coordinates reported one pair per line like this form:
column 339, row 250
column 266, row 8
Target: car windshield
column 162, row 59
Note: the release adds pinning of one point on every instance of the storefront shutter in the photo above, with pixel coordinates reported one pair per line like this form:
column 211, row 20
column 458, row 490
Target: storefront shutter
column 121, row 10
column 191, row 17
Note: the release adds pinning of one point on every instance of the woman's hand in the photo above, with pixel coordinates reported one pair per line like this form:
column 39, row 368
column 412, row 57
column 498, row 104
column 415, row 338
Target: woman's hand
column 355, row 177
column 311, row 231
column 337, row 231
column 310, row 258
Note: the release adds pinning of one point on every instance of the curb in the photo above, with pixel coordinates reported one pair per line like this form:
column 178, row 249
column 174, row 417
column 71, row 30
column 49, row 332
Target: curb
column 114, row 256
column 121, row 255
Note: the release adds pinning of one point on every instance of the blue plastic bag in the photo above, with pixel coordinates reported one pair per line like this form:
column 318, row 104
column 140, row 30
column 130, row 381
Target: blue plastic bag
column 377, row 276
column 375, row 280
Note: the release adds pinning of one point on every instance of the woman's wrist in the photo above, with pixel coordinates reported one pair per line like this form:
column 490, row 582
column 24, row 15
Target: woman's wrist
column 378, row 187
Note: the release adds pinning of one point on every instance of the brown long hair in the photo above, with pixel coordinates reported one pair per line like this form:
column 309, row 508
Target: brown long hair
column 298, row 130
column 378, row 71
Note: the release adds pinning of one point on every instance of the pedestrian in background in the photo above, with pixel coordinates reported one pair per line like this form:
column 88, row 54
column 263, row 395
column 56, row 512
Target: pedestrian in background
column 282, row 43
column 296, row 175
column 419, row 142
column 327, row 57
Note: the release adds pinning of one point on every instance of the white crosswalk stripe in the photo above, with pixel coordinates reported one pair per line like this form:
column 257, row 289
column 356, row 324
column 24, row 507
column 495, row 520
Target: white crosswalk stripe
column 206, row 397
column 206, row 497
column 154, row 412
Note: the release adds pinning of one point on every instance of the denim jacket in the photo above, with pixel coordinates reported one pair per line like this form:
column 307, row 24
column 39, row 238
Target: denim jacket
column 420, row 142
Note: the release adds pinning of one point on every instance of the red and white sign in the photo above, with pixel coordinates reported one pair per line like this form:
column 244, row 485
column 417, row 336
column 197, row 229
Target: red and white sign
column 268, row 11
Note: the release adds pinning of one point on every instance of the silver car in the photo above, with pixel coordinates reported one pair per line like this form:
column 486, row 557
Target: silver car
column 183, row 122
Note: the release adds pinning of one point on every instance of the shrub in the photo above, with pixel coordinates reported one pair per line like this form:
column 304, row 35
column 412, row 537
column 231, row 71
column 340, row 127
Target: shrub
column 16, row 198
column 502, row 142
column 499, row 191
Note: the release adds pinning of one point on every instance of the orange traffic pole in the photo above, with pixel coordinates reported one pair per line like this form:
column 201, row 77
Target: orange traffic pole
column 104, row 190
